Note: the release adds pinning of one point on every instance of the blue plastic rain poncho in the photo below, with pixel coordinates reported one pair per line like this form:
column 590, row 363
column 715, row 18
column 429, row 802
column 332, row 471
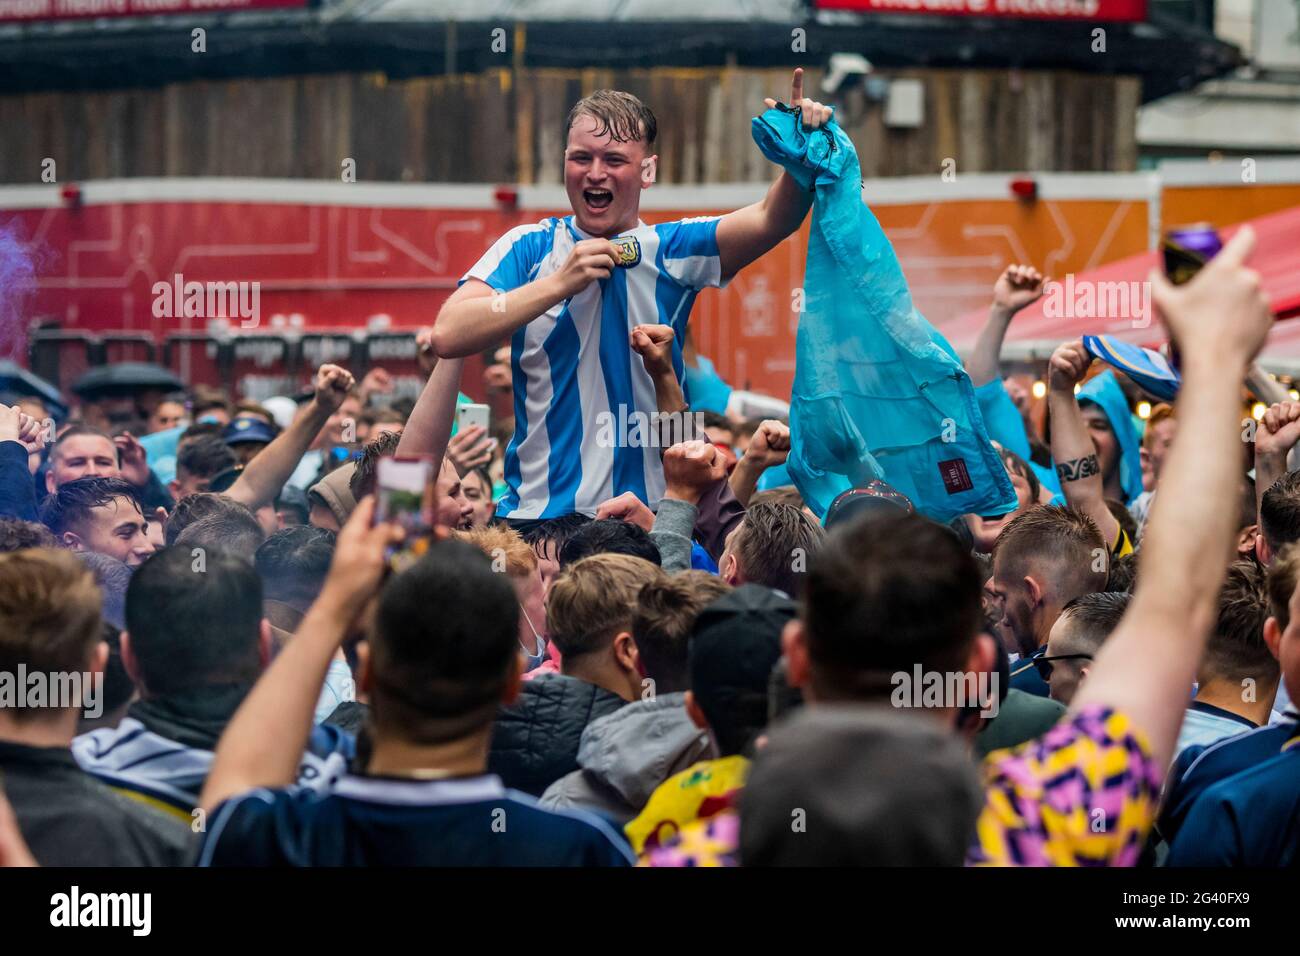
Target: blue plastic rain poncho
column 1104, row 392
column 878, row 393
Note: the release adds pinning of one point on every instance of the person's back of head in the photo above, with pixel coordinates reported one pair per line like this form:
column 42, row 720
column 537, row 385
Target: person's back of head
column 771, row 546
column 785, row 495
column 1122, row 576
column 49, row 620
column 444, row 651
column 735, row 643
column 196, row 429
column 1282, row 579
column 875, row 788
column 17, row 535
column 662, row 622
column 885, row 593
column 1059, row 545
column 364, row 475
column 191, row 625
column 593, row 601
column 112, row 577
column 609, row 536
column 1044, row 558
column 233, row 532
column 1091, row 618
column 1279, row 514
column 200, row 459
column 1247, row 509
column 1237, row 653
column 1079, row 631
column 293, row 564
column 194, row 508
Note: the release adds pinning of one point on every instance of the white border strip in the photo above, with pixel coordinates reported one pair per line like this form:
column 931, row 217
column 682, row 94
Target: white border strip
column 1196, row 172
column 877, row 192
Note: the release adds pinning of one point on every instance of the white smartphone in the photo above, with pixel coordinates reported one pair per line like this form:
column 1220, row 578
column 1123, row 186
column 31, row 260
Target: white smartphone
column 467, row 415
column 404, row 496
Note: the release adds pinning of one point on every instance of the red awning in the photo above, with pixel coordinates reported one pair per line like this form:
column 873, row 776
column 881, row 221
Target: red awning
column 1109, row 299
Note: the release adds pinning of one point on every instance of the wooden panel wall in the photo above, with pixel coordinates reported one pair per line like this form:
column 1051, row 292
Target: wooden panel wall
column 507, row 125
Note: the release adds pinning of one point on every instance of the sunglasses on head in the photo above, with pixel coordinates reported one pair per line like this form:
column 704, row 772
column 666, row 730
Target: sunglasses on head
column 1044, row 664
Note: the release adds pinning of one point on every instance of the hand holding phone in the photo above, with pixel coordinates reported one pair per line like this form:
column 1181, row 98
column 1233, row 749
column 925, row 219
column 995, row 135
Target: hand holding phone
column 470, row 415
column 404, row 497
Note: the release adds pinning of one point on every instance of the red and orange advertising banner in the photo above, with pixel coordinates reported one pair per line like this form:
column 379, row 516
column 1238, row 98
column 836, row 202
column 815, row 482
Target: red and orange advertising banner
column 22, row 11
column 1126, row 11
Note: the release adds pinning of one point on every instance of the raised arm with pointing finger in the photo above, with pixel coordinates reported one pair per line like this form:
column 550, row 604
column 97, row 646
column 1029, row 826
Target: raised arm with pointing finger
column 1146, row 667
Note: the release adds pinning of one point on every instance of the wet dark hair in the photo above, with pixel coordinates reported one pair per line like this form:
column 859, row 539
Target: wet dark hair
column 621, row 116
column 550, row 531
column 609, row 536
column 364, row 475
column 71, row 505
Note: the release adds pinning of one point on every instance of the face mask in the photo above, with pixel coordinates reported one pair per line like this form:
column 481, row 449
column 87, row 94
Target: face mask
column 533, row 661
column 338, row 689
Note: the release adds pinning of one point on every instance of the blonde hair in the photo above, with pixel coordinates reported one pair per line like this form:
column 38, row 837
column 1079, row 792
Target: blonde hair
column 500, row 543
column 595, row 598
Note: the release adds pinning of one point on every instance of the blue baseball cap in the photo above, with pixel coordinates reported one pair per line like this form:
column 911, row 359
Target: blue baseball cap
column 248, row 430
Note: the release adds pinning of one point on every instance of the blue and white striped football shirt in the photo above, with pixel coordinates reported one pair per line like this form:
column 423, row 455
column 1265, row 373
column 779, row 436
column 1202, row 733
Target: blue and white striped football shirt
column 574, row 369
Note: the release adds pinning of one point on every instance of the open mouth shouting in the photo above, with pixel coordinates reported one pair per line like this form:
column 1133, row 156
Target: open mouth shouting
column 597, row 199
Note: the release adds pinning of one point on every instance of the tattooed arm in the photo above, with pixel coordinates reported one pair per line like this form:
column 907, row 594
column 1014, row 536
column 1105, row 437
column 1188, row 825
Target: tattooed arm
column 1072, row 449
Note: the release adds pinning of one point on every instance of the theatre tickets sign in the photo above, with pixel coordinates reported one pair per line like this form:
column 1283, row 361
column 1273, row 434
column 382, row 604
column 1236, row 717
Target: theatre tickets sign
column 20, row 11
column 1115, row 11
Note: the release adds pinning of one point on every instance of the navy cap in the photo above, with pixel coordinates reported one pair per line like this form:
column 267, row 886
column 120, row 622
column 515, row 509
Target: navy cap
column 736, row 640
column 248, row 430
column 875, row 496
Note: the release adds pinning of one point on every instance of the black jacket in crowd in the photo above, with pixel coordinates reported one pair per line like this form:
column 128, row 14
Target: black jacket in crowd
column 68, row 818
column 535, row 740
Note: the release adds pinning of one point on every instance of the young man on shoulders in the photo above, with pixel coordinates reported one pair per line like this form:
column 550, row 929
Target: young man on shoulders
column 568, row 293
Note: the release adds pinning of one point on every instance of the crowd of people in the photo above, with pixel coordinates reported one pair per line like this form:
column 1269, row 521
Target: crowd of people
column 654, row 654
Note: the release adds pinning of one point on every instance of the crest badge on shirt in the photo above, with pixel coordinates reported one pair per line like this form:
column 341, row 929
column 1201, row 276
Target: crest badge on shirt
column 629, row 251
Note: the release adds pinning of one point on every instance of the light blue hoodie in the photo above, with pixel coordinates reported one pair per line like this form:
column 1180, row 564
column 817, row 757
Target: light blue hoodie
column 878, row 392
column 1104, row 392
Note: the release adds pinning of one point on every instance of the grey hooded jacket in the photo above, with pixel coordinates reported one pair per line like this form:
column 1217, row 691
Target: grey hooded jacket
column 625, row 755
